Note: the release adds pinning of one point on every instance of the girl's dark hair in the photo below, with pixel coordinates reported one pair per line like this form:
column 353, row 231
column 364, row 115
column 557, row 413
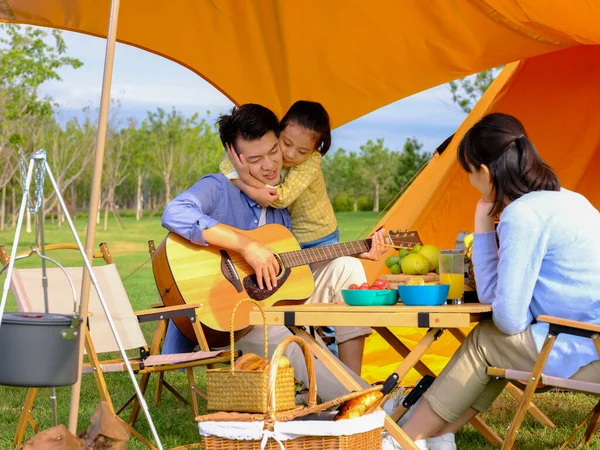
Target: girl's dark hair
column 311, row 116
column 249, row 122
column 500, row 142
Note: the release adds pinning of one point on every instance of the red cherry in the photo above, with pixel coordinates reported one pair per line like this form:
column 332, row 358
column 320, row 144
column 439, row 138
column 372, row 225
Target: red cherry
column 353, row 286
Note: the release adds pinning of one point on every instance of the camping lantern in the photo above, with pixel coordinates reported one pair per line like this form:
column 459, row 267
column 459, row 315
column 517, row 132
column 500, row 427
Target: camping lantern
column 39, row 349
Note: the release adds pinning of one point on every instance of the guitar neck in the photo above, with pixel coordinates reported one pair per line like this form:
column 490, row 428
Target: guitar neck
column 324, row 253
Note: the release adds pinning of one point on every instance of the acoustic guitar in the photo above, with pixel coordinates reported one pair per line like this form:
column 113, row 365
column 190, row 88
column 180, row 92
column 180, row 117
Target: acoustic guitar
column 217, row 279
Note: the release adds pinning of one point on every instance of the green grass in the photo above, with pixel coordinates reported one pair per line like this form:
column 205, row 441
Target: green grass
column 174, row 420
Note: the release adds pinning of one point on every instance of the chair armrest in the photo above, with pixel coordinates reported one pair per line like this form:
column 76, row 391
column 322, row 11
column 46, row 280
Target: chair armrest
column 168, row 312
column 570, row 323
column 157, row 305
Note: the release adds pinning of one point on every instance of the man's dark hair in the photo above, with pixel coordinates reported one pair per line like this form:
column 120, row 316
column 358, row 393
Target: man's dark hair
column 501, row 143
column 249, row 122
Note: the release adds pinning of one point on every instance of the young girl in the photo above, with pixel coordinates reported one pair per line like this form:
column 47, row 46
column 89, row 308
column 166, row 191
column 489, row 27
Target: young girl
column 546, row 264
column 304, row 139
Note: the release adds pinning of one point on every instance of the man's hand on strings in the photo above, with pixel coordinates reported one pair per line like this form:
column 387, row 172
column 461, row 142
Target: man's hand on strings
column 378, row 248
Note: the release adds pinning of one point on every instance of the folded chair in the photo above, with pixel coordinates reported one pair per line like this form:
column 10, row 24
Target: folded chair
column 27, row 289
column 535, row 378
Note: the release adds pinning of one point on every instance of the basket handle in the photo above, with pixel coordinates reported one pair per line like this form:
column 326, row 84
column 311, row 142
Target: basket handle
column 310, row 368
column 232, row 334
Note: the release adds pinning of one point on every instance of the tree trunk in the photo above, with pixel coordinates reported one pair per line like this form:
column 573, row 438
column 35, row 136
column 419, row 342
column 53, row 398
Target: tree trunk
column 138, row 209
column 3, row 208
column 14, row 206
column 73, row 201
column 167, row 190
column 106, row 208
column 376, row 200
column 28, row 229
column 145, row 204
column 59, row 215
column 355, row 209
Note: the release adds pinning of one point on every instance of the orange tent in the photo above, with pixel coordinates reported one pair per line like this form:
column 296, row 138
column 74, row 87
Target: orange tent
column 557, row 97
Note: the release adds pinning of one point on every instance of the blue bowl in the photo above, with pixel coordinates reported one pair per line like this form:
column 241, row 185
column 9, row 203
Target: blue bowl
column 428, row 295
column 357, row 297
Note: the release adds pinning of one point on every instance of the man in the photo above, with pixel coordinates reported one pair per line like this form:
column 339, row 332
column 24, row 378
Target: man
column 199, row 214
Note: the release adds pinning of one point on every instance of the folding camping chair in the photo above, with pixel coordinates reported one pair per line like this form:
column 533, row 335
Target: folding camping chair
column 535, row 378
column 27, row 289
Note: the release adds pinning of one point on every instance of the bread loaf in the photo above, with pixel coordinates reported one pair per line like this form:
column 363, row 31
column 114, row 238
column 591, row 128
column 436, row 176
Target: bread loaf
column 249, row 361
column 356, row 407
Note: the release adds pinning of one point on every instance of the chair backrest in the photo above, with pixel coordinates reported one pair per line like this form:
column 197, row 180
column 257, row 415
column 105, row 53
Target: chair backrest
column 28, row 291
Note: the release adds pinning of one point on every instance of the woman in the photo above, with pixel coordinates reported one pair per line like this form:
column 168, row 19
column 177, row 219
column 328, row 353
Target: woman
column 547, row 262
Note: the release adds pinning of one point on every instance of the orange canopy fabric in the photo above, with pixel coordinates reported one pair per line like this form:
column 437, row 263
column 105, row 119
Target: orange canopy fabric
column 353, row 56
column 557, row 97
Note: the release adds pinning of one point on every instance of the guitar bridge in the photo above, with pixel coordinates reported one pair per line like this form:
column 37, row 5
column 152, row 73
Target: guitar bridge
column 229, row 272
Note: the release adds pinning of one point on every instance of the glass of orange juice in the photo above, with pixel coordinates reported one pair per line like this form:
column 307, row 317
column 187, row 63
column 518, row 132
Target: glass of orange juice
column 452, row 272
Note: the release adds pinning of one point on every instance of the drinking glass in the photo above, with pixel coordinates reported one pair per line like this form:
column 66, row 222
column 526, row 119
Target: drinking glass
column 452, row 272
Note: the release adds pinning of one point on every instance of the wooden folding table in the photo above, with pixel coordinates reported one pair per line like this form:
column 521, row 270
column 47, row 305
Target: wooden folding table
column 436, row 320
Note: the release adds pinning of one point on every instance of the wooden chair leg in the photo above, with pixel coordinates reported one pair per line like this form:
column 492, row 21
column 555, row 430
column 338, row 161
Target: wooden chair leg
column 511, row 437
column 192, row 388
column 135, row 410
column 593, row 425
column 532, row 409
column 26, row 418
column 513, row 390
column 159, row 388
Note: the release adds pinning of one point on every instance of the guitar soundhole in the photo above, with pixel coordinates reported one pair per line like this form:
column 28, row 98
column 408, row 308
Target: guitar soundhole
column 256, row 293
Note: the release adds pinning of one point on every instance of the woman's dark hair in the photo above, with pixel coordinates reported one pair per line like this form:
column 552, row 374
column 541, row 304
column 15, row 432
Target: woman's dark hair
column 311, row 116
column 500, row 142
column 249, row 122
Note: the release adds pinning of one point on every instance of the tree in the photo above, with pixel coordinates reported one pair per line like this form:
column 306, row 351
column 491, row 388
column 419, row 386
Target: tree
column 409, row 162
column 27, row 59
column 69, row 151
column 116, row 165
column 467, row 91
column 181, row 148
column 140, row 157
column 378, row 166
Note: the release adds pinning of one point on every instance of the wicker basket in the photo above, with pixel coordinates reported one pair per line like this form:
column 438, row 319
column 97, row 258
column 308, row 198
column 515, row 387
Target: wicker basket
column 247, row 390
column 368, row 440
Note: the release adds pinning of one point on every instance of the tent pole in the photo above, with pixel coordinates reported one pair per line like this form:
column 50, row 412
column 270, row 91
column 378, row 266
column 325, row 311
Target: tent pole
column 111, row 39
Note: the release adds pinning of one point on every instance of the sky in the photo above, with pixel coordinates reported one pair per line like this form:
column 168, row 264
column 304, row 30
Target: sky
column 143, row 81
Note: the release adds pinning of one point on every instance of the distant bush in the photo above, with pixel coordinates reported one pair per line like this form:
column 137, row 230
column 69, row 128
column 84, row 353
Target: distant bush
column 365, row 203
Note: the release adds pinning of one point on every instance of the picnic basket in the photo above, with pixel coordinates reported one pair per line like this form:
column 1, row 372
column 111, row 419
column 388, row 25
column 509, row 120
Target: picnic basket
column 283, row 431
column 247, row 390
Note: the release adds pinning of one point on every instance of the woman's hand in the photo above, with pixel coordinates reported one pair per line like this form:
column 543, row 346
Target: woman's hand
column 377, row 246
column 484, row 223
column 263, row 262
column 239, row 163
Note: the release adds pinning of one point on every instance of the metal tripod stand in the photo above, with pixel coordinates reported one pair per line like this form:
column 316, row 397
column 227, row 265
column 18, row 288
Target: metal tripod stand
column 39, row 165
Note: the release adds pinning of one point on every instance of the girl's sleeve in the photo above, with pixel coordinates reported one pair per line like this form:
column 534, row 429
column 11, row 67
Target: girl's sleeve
column 297, row 180
column 228, row 170
column 506, row 280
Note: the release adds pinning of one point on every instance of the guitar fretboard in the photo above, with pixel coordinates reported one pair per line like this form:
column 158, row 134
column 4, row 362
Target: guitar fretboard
column 325, row 253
